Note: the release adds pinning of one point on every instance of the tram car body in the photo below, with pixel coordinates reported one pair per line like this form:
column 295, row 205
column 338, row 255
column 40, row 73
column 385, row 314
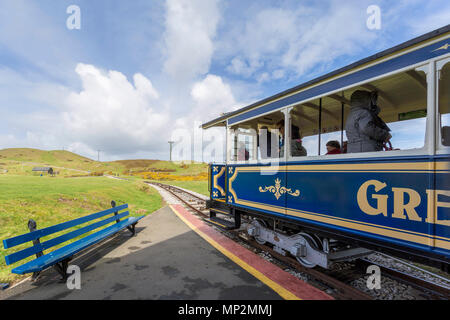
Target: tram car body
column 330, row 207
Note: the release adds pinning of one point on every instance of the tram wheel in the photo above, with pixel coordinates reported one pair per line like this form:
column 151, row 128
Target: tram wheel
column 260, row 223
column 312, row 240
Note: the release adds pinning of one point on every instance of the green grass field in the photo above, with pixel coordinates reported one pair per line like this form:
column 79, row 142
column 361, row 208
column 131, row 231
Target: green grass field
column 50, row 201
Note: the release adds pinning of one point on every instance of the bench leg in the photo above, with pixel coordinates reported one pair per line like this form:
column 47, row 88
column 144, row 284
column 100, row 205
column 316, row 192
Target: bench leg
column 132, row 229
column 35, row 275
column 61, row 267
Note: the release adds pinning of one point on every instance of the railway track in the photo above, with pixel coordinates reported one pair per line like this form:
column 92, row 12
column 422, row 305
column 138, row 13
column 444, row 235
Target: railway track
column 334, row 282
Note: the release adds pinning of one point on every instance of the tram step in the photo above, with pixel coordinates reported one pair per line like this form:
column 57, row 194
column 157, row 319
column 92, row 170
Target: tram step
column 221, row 223
column 225, row 213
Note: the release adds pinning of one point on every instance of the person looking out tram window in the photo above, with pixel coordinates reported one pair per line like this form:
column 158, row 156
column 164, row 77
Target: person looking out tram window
column 297, row 149
column 366, row 131
column 333, row 147
column 243, row 154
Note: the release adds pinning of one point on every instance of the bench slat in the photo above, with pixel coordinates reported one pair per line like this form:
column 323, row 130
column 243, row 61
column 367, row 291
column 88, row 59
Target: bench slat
column 11, row 242
column 69, row 250
column 17, row 256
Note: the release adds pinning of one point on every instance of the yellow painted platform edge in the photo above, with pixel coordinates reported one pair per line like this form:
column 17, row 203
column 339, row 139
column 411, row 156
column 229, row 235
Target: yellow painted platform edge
column 284, row 293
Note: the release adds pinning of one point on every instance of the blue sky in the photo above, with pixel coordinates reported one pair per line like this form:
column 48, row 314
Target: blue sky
column 136, row 71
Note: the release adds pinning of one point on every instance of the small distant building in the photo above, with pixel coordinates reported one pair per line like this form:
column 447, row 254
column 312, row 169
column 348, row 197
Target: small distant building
column 49, row 170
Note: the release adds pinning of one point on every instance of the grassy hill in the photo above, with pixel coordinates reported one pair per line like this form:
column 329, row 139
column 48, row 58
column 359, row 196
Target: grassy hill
column 54, row 158
column 20, row 161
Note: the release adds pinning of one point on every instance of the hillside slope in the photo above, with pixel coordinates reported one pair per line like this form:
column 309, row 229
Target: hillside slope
column 21, row 160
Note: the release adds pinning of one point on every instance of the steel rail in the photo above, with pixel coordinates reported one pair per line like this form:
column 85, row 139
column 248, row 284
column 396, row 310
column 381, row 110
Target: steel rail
column 343, row 290
column 170, row 189
column 434, row 290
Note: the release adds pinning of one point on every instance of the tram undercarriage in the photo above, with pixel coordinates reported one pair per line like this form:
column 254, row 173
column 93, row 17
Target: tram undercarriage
column 309, row 245
column 310, row 248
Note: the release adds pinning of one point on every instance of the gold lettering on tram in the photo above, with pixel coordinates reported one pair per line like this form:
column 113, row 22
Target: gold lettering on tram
column 402, row 209
column 381, row 199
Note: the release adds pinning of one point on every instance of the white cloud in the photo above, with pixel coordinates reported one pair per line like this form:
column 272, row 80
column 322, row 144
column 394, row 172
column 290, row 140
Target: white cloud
column 431, row 22
column 190, row 29
column 280, row 42
column 114, row 115
column 122, row 118
column 212, row 97
column 243, row 68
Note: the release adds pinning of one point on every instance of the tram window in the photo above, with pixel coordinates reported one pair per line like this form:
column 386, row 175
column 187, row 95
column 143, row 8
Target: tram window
column 402, row 102
column 305, row 129
column 444, row 104
column 243, row 144
column 258, row 139
column 270, row 138
column 332, row 136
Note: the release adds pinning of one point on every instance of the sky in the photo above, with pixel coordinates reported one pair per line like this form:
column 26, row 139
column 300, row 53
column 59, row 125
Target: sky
column 136, row 74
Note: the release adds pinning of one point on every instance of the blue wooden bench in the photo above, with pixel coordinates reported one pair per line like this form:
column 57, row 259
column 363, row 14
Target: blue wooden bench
column 60, row 257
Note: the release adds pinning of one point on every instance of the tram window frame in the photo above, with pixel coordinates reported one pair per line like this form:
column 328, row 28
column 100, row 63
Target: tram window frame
column 428, row 131
column 440, row 64
column 249, row 122
column 413, row 151
column 233, row 152
column 316, row 116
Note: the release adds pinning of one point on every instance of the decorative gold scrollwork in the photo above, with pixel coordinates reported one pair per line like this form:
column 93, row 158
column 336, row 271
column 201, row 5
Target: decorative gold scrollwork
column 278, row 190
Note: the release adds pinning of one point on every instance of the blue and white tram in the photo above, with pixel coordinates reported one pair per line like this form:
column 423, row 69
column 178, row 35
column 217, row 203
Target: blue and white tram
column 313, row 198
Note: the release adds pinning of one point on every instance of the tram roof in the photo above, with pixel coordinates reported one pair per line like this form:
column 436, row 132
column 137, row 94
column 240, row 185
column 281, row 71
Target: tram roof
column 220, row 121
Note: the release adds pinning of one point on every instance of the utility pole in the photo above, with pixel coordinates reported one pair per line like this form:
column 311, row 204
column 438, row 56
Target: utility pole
column 202, row 146
column 171, row 143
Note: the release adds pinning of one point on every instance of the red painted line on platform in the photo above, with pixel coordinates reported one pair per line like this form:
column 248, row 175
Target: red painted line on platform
column 282, row 282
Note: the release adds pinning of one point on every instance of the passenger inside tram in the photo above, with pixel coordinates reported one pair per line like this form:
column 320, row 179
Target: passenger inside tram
column 243, row 154
column 446, row 136
column 444, row 104
column 297, row 150
column 333, row 147
column 369, row 117
column 366, row 131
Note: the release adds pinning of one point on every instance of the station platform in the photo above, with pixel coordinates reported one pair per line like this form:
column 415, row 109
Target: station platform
column 174, row 256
